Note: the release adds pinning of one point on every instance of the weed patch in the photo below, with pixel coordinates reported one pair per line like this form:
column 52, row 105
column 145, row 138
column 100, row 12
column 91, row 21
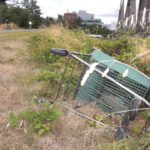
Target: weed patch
column 41, row 120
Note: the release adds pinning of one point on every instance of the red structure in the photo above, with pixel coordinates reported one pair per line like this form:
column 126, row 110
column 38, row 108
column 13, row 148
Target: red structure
column 70, row 16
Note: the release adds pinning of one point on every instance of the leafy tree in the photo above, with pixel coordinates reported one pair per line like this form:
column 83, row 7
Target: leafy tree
column 2, row 2
column 19, row 16
column 3, row 13
column 48, row 21
column 97, row 29
column 73, row 24
column 35, row 12
column 60, row 19
column 15, row 3
column 22, row 13
column 2, row 10
column 26, row 4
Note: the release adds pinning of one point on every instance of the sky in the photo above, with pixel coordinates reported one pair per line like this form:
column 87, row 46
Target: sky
column 107, row 10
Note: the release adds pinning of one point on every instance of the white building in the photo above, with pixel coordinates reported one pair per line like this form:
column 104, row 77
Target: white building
column 84, row 15
column 88, row 18
column 92, row 21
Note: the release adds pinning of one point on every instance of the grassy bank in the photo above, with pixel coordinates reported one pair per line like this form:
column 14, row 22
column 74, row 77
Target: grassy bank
column 29, row 72
column 131, row 50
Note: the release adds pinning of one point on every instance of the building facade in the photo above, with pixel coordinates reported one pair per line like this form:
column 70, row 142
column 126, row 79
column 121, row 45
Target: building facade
column 86, row 18
column 91, row 22
column 70, row 16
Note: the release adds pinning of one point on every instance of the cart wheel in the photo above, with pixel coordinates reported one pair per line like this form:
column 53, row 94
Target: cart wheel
column 148, row 95
column 120, row 134
column 134, row 105
column 41, row 101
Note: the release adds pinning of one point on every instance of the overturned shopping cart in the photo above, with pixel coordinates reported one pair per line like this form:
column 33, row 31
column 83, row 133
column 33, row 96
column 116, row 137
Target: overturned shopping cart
column 100, row 80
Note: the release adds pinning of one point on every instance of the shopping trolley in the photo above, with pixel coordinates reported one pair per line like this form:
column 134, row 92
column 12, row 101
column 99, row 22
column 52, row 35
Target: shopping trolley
column 99, row 80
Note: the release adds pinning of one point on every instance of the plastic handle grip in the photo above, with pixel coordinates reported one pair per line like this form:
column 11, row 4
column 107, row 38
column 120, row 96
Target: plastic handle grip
column 60, row 52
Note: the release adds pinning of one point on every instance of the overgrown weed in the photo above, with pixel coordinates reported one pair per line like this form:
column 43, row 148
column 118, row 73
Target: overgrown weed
column 40, row 119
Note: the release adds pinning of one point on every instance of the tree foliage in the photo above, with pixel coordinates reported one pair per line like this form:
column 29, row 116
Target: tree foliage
column 100, row 28
column 97, row 29
column 21, row 14
column 48, row 21
column 74, row 24
column 34, row 10
column 2, row 2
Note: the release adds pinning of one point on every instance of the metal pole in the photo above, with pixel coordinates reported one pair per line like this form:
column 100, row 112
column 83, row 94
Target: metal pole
column 87, row 117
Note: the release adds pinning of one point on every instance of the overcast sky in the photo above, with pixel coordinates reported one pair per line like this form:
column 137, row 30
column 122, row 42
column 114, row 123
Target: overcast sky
column 107, row 10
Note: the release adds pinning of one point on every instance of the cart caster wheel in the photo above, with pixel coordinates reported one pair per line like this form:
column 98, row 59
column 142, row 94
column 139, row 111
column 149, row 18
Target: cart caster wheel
column 132, row 115
column 41, row 101
column 135, row 105
column 120, row 134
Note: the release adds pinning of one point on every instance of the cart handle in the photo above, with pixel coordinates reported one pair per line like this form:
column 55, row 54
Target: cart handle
column 60, row 52
column 64, row 53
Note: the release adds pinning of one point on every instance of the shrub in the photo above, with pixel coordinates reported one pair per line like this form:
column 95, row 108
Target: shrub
column 39, row 46
column 41, row 120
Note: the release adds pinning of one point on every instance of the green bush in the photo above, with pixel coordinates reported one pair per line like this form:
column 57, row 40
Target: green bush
column 39, row 46
column 137, row 129
column 12, row 119
column 47, row 76
column 47, row 79
column 75, row 40
column 119, row 47
column 41, row 120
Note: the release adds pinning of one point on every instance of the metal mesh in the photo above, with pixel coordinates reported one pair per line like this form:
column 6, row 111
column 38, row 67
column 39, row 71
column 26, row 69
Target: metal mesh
column 106, row 94
column 98, row 90
column 133, row 74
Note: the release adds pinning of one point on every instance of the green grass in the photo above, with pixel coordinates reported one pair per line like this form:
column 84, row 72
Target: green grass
column 41, row 120
column 124, row 47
